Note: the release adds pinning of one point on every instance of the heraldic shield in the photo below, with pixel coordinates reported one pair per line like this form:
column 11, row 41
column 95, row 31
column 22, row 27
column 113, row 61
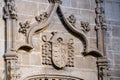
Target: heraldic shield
column 59, row 53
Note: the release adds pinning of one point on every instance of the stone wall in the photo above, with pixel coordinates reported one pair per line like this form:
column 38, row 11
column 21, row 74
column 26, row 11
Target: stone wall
column 112, row 9
column 84, row 10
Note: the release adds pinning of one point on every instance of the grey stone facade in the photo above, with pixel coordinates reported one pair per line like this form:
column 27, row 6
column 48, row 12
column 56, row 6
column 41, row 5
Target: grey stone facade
column 72, row 27
column 112, row 37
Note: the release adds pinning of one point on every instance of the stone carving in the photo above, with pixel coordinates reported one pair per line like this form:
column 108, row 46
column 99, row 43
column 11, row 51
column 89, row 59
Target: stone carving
column 57, row 53
column 100, row 25
column 12, row 67
column 46, row 51
column 41, row 17
column 99, row 10
column 70, row 53
column 100, row 19
column 53, row 77
column 100, row 28
column 103, row 69
column 72, row 19
column 85, row 26
column 55, row 1
column 23, row 27
column 9, row 9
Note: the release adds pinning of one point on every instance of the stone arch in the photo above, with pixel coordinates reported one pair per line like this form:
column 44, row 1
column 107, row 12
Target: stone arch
column 49, row 77
column 42, row 26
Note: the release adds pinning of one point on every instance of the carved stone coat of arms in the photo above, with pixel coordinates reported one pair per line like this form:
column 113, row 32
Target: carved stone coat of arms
column 59, row 53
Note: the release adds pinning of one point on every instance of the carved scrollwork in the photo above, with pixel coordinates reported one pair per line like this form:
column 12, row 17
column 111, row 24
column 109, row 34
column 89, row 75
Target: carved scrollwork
column 42, row 17
column 85, row 26
column 9, row 9
column 72, row 19
column 23, row 27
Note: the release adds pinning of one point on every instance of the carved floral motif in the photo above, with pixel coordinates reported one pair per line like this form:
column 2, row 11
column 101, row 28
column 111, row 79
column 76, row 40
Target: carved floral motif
column 85, row 26
column 72, row 19
column 23, row 27
column 41, row 17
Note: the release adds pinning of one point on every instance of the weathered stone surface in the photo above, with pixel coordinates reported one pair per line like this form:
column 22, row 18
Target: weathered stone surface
column 26, row 8
column 116, row 31
column 43, row 7
column 35, row 59
column 1, row 68
column 84, row 4
column 66, row 3
column 115, row 44
column 83, row 10
column 92, row 43
column 82, row 63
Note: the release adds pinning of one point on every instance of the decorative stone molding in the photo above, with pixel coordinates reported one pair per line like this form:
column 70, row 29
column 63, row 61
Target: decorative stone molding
column 10, row 17
column 103, row 69
column 12, row 66
column 85, row 26
column 23, row 27
column 72, row 28
column 53, row 77
column 54, row 50
column 9, row 9
column 10, row 56
column 42, row 26
column 72, row 19
column 41, row 17
column 46, row 51
column 70, row 53
column 100, row 28
column 100, row 19
column 100, row 25
column 46, row 19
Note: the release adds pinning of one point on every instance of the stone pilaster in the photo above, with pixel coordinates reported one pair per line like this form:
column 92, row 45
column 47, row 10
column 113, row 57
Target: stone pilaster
column 10, row 18
column 10, row 57
column 100, row 27
column 12, row 66
column 103, row 69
